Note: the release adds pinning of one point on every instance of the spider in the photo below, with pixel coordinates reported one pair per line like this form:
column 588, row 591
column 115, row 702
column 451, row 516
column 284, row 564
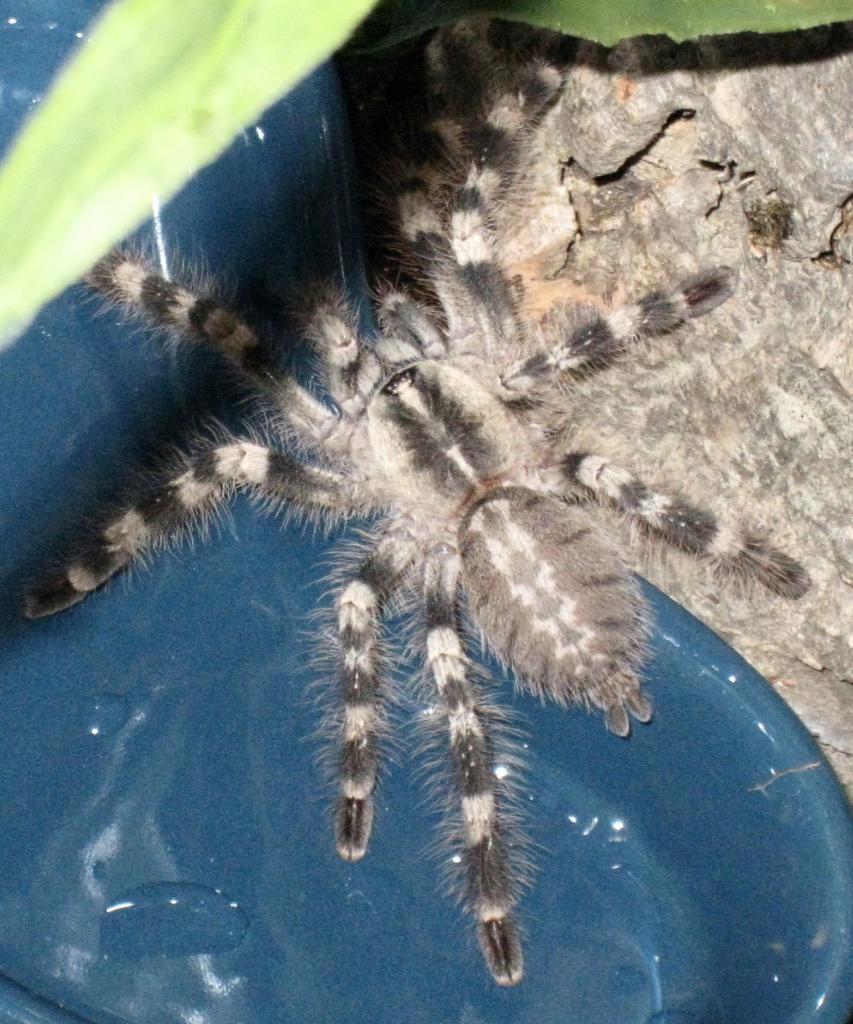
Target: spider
column 445, row 429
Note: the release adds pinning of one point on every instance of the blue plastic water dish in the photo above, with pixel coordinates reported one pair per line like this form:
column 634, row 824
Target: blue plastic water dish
column 167, row 851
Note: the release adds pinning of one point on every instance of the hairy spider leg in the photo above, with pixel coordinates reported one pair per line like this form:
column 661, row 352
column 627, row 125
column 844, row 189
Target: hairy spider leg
column 733, row 549
column 599, row 338
column 491, row 885
column 129, row 281
column 461, row 259
column 362, row 700
column 173, row 499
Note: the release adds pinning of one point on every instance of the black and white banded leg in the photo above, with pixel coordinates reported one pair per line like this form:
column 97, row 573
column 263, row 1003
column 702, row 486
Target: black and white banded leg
column 132, row 283
column 600, row 338
column 176, row 497
column 460, row 258
column 496, row 140
column 491, row 886
column 494, row 143
column 734, row 550
column 479, row 273
column 362, row 694
column 457, row 249
column 486, row 90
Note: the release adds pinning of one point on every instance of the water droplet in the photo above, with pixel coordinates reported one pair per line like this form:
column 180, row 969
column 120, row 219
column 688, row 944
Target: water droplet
column 171, row 919
column 105, row 714
column 591, row 827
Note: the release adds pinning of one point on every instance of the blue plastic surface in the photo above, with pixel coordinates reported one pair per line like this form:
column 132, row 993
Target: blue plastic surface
column 166, row 852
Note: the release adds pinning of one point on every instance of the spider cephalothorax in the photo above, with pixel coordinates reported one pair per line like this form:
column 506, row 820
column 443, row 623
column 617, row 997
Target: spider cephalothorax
column 445, row 430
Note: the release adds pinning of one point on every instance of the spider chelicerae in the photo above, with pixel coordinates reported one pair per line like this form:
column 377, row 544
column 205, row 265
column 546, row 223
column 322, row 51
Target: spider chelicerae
column 446, row 429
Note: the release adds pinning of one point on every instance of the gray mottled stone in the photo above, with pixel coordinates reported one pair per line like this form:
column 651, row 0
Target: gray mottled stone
column 734, row 151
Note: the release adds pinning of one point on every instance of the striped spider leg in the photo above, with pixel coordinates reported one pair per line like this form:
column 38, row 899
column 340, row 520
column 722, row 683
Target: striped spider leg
column 360, row 720
column 185, row 489
column 490, row 879
column 190, row 483
column 734, row 550
column 459, row 251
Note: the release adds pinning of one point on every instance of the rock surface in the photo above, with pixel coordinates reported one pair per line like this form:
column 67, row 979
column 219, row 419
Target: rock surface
column 735, row 151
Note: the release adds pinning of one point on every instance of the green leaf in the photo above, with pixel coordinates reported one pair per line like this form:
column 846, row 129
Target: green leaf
column 158, row 90
column 608, row 21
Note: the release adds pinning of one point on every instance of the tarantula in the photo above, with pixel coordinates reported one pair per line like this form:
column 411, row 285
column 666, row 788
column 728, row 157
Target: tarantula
column 443, row 429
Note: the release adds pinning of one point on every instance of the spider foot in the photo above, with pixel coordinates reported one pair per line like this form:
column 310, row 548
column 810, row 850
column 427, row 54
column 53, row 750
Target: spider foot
column 501, row 945
column 634, row 702
column 51, row 596
column 352, row 827
column 755, row 559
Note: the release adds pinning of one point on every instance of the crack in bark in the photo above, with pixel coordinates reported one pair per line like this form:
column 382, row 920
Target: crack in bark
column 682, row 114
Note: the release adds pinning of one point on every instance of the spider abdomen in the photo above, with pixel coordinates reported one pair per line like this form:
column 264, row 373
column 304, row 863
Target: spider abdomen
column 553, row 600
